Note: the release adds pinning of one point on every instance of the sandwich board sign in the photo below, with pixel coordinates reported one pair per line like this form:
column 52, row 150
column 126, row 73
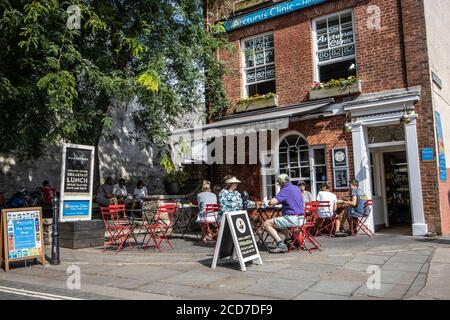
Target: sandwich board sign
column 77, row 174
column 22, row 235
column 236, row 234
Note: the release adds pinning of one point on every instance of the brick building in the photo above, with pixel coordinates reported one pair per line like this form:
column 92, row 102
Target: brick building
column 385, row 125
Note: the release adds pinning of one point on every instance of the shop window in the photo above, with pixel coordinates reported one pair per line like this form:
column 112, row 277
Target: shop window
column 336, row 50
column 259, row 65
column 320, row 167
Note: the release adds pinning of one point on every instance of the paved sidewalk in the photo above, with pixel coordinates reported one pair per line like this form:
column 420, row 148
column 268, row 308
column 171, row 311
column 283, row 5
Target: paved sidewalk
column 340, row 271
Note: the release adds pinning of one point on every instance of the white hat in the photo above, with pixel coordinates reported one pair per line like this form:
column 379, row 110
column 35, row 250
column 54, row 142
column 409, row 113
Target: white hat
column 232, row 180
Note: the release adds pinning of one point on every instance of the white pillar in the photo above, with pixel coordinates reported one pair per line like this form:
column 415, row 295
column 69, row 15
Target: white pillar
column 419, row 226
column 362, row 165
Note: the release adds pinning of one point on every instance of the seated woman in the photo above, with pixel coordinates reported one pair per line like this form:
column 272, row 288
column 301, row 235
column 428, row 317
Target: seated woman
column 356, row 206
column 205, row 198
column 325, row 194
column 140, row 194
column 230, row 199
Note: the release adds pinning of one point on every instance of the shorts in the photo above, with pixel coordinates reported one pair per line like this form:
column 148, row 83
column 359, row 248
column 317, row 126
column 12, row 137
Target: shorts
column 211, row 218
column 325, row 214
column 286, row 222
column 352, row 213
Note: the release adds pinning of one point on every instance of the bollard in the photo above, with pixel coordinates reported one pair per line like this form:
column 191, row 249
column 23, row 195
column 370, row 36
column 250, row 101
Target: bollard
column 55, row 235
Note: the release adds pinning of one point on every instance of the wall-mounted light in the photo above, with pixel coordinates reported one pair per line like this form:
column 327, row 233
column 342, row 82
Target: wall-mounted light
column 352, row 67
column 348, row 124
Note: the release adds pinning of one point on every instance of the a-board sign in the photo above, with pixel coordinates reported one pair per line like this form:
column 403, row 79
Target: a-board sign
column 77, row 173
column 236, row 234
column 22, row 235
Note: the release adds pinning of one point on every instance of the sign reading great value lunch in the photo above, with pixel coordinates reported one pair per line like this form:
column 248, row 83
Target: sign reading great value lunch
column 76, row 182
column 269, row 13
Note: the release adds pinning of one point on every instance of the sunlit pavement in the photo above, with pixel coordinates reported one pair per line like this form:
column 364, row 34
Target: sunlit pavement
column 409, row 268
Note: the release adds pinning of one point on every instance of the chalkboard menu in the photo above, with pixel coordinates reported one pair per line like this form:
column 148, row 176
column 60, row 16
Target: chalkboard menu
column 22, row 235
column 236, row 234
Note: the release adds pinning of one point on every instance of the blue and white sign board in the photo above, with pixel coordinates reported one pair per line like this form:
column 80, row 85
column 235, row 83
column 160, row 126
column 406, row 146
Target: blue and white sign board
column 77, row 175
column 427, row 154
column 269, row 13
column 21, row 235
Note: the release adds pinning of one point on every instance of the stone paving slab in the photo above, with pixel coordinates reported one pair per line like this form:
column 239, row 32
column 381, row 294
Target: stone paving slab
column 338, row 287
column 392, row 291
column 197, row 278
column 278, row 288
column 397, row 277
column 405, row 266
column 311, row 295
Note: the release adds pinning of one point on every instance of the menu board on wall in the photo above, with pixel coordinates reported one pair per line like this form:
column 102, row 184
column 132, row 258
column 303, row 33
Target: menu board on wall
column 340, row 168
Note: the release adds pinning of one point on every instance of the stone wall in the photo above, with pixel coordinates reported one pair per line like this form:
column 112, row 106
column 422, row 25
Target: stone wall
column 120, row 155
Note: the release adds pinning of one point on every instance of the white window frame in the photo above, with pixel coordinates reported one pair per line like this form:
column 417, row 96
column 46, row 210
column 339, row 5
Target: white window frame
column 314, row 182
column 244, row 65
column 317, row 64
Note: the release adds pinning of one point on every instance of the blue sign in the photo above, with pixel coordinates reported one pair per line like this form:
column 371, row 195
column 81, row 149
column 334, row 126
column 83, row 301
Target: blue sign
column 427, row 154
column 76, row 208
column 24, row 234
column 441, row 148
column 269, row 13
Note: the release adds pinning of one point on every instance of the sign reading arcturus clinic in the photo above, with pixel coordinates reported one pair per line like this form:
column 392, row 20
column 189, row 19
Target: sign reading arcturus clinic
column 76, row 182
column 269, row 13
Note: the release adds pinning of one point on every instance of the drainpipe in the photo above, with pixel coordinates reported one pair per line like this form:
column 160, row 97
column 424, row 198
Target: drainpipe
column 402, row 43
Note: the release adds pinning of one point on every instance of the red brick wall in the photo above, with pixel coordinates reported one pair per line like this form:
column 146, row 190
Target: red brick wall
column 378, row 51
column 381, row 67
column 418, row 74
column 327, row 132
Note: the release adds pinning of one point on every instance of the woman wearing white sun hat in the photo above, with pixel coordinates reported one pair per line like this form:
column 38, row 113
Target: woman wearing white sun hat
column 229, row 198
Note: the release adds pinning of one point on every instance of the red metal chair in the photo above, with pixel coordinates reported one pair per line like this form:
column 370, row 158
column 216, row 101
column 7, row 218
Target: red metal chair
column 328, row 224
column 160, row 228
column 361, row 222
column 118, row 231
column 210, row 227
column 302, row 234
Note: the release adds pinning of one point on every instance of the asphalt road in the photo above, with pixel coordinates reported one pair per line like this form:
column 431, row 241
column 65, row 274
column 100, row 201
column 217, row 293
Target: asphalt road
column 18, row 291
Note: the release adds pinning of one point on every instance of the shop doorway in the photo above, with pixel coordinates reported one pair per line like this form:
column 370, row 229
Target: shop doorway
column 397, row 191
column 391, row 190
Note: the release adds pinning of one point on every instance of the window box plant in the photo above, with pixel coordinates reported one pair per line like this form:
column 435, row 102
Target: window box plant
column 335, row 88
column 257, row 102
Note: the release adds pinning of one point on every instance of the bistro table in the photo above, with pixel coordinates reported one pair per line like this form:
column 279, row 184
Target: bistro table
column 185, row 217
column 263, row 214
column 138, row 223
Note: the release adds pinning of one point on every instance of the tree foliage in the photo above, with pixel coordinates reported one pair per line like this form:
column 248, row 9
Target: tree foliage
column 57, row 82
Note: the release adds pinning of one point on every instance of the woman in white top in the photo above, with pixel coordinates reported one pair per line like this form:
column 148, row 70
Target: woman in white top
column 140, row 193
column 326, row 195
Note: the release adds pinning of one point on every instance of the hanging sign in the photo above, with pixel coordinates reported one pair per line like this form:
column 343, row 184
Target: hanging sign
column 441, row 149
column 269, row 13
column 22, row 235
column 77, row 175
column 236, row 234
